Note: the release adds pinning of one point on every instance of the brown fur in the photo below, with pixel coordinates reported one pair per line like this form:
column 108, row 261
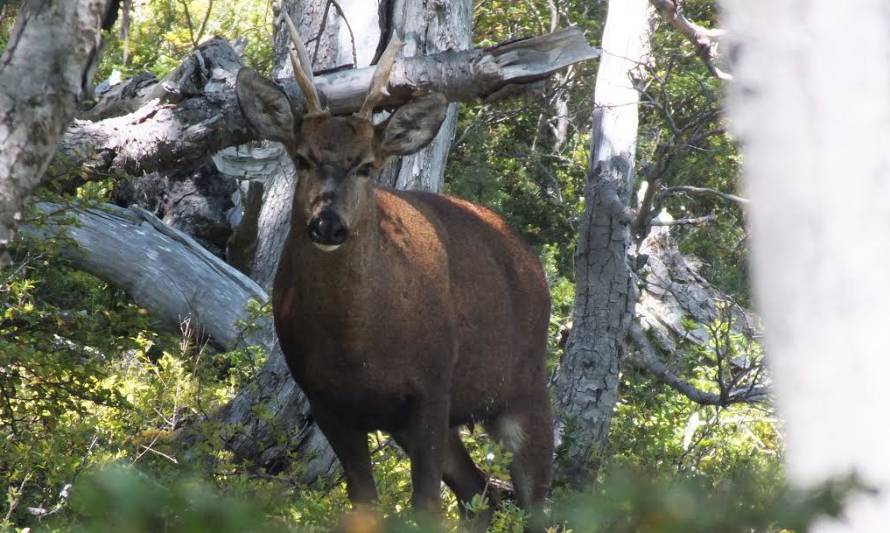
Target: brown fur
column 432, row 314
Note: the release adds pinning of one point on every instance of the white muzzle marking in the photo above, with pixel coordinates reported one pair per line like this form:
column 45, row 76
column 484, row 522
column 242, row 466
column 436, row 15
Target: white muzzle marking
column 327, row 247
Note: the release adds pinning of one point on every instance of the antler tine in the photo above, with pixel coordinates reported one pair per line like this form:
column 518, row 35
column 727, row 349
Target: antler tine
column 302, row 68
column 378, row 91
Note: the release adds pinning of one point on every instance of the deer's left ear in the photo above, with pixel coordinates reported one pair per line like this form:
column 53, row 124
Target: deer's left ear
column 266, row 107
column 413, row 125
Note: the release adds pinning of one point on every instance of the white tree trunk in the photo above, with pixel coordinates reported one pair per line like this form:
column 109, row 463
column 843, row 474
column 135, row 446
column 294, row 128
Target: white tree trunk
column 586, row 384
column 811, row 107
column 45, row 72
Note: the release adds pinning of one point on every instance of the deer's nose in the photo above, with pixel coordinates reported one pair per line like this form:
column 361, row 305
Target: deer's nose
column 327, row 229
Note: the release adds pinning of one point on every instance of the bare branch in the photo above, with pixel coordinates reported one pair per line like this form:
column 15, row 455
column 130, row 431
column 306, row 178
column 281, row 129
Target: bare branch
column 645, row 357
column 203, row 26
column 683, row 189
column 707, row 219
column 349, row 28
column 704, row 40
column 194, row 113
column 188, row 21
column 321, row 27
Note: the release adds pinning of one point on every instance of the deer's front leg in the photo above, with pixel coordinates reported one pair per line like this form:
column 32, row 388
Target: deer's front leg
column 351, row 447
column 427, row 438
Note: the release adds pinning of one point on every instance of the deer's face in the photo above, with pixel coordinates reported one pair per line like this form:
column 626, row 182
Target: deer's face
column 337, row 158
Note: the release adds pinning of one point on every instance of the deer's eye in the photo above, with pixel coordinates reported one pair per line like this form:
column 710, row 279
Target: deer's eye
column 301, row 162
column 364, row 170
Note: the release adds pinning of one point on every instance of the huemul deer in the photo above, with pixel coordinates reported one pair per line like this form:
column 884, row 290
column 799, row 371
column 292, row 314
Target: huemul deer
column 408, row 312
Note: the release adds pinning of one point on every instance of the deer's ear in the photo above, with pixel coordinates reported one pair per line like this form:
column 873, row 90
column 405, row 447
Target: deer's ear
column 413, row 125
column 266, row 107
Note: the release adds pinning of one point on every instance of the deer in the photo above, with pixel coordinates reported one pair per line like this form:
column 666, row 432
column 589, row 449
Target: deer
column 408, row 312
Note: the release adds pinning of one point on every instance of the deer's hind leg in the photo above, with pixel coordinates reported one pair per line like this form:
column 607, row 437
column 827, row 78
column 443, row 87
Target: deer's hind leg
column 526, row 430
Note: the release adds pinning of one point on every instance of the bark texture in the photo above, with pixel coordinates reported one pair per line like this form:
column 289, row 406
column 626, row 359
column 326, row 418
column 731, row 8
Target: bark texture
column 586, row 383
column 182, row 121
column 45, row 72
column 671, row 292
column 818, row 175
column 428, row 28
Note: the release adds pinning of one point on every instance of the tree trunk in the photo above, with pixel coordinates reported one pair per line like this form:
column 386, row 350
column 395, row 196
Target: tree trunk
column 45, row 73
column 586, row 384
column 811, row 107
column 427, row 28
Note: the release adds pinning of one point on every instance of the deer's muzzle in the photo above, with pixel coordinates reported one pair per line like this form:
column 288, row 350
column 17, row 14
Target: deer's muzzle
column 327, row 230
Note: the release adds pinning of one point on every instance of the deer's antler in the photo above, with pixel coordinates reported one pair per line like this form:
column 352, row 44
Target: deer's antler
column 302, row 68
column 378, row 91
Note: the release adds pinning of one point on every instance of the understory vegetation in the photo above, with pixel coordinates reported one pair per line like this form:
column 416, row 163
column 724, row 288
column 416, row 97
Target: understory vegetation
column 94, row 393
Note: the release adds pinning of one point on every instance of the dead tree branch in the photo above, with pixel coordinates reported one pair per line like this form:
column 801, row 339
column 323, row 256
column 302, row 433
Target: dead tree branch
column 695, row 221
column 194, row 112
column 688, row 189
column 705, row 40
column 646, row 358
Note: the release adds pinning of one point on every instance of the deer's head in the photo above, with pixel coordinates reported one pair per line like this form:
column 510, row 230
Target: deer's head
column 338, row 157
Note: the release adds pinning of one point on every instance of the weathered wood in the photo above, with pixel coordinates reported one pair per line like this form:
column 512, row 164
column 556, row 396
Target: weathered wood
column 672, row 292
column 45, row 72
column 197, row 116
column 134, row 250
column 706, row 41
column 202, row 115
column 586, row 384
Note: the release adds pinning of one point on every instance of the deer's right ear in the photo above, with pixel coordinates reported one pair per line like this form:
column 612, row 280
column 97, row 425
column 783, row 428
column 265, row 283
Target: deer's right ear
column 266, row 107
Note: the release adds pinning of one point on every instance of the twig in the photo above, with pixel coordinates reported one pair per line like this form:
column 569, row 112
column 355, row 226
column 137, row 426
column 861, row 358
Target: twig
column 18, row 497
column 351, row 34
column 204, row 22
column 162, row 454
column 188, row 21
column 321, row 28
